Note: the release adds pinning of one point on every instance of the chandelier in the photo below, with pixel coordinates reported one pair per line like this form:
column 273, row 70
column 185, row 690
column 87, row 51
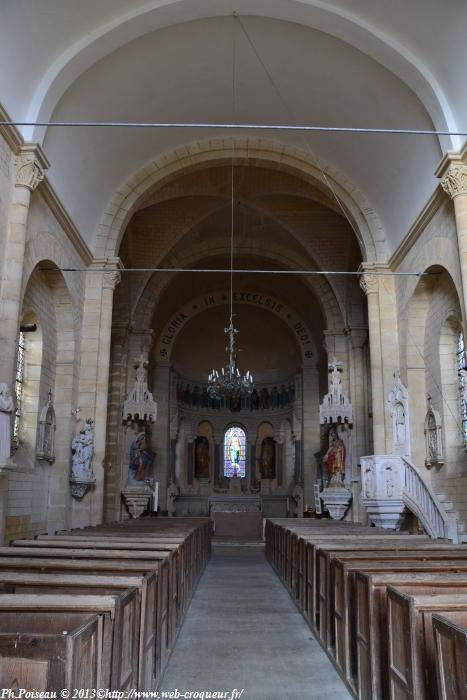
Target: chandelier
column 230, row 382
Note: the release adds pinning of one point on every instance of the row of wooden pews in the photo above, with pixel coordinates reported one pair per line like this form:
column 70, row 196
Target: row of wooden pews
column 389, row 608
column 98, row 607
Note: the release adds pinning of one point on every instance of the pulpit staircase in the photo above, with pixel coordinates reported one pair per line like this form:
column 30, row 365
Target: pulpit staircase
column 391, row 483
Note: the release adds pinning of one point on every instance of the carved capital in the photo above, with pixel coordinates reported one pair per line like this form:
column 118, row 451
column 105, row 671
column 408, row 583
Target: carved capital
column 455, row 181
column 30, row 166
column 112, row 279
column 369, row 283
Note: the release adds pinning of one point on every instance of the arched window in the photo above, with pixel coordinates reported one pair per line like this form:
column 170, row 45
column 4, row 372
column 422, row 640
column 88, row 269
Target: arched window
column 19, row 389
column 27, row 384
column 235, row 452
column 461, row 364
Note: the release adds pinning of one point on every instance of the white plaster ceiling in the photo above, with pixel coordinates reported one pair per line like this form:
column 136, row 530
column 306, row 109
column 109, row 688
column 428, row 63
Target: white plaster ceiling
column 365, row 63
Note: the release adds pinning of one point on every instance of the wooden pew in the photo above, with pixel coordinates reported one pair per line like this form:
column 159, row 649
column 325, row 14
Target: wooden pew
column 176, row 563
column 79, row 584
column 376, row 549
column 369, row 667
column 44, row 652
column 119, row 619
column 107, row 567
column 450, row 641
column 411, row 657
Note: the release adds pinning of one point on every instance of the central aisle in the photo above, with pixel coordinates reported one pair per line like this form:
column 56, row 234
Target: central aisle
column 242, row 631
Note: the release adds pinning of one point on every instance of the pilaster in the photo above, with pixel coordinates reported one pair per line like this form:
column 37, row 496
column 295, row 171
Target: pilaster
column 378, row 285
column 30, row 166
column 453, row 171
column 102, row 277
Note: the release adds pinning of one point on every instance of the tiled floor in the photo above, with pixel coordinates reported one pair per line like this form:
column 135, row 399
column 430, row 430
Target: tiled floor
column 242, row 631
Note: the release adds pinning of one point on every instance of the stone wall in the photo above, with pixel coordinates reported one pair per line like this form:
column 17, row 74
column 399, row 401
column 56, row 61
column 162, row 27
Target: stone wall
column 429, row 317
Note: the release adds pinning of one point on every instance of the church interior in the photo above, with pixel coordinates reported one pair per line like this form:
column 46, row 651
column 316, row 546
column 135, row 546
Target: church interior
column 233, row 370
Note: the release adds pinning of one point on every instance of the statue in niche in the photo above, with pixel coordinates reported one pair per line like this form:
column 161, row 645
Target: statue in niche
column 267, row 459
column 433, row 439
column 47, row 426
column 140, row 461
column 399, row 419
column 202, row 458
column 335, row 458
column 7, row 408
column 82, row 449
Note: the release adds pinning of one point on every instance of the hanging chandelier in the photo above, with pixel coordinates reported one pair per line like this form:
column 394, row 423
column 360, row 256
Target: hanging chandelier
column 230, row 382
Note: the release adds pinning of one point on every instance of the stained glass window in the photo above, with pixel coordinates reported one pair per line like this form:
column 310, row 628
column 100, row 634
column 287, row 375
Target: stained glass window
column 19, row 389
column 462, row 364
column 235, row 452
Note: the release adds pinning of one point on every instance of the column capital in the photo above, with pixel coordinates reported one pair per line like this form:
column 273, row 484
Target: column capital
column 30, row 166
column 454, row 182
column 452, row 170
column 110, row 269
column 370, row 272
column 358, row 336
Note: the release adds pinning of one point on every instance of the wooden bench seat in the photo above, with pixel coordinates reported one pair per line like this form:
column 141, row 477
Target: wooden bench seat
column 47, row 652
column 119, row 616
column 411, row 657
column 81, row 584
column 450, row 641
column 368, row 666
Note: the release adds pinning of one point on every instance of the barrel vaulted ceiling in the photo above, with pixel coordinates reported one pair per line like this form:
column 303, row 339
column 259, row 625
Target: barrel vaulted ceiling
column 378, row 64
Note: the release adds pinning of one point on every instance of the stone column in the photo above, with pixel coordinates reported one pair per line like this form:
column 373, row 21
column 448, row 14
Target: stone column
column 384, row 357
column 29, row 171
column 454, row 173
column 30, row 165
column 102, row 277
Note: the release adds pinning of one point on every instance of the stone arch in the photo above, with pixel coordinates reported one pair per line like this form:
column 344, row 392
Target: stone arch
column 143, row 309
column 166, row 338
column 140, row 185
column 383, row 47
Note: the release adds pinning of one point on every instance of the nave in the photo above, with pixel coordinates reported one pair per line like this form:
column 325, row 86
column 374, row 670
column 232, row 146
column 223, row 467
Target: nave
column 242, row 631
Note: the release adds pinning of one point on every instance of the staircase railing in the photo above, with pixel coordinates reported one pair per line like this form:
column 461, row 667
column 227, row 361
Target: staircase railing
column 420, row 499
column 391, row 483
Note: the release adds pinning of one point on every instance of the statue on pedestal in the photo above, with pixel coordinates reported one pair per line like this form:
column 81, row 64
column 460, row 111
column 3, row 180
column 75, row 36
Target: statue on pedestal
column 7, row 407
column 82, row 449
column 140, row 461
column 335, row 458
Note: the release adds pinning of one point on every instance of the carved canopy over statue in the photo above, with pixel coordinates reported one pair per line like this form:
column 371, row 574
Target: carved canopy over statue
column 202, row 457
column 267, row 459
column 140, row 461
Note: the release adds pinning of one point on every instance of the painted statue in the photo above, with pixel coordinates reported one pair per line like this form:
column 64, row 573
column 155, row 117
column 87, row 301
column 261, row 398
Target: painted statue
column 267, row 459
column 335, row 458
column 202, row 457
column 140, row 461
column 7, row 407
